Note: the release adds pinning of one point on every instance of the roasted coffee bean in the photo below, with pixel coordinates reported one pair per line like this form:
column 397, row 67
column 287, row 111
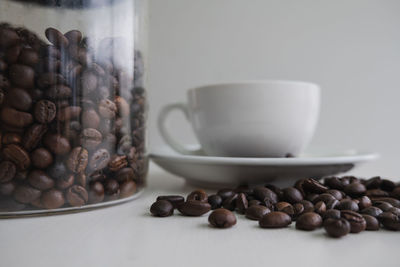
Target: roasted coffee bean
column 22, row 76
column 77, row 196
column 194, row 208
column 376, row 193
column 65, row 181
column 111, row 188
column 308, row 205
column 52, row 199
column 99, row 159
column 347, row 204
column 390, row 221
column 332, row 214
column 162, row 208
column 40, row 180
column 275, row 219
column 56, row 38
column 364, row 202
column 277, row 190
column 7, row 171
column 175, row 200
column 73, row 36
column 372, row 223
column 309, row 221
column 117, row 162
column 256, row 212
column 372, row 211
column 7, row 189
column 241, row 203
column 199, row 195
column 26, row 194
column 90, row 119
column 28, row 56
column 355, row 189
column 11, row 138
column 12, row 54
column 56, row 143
column 18, row 156
column 292, row 195
column 396, row 193
column 122, row 106
column 384, row 206
column 81, row 179
column 254, row 202
column 48, row 79
column 311, row 197
column 107, row 109
column 320, row 207
column 58, row 91
column 230, row 203
column 127, row 189
column 125, row 174
column 19, row 99
column 215, row 201
column 394, row 210
column 282, row 205
column 45, row 111
column 96, row 192
column 264, row 194
column 298, row 210
column 387, row 185
column 15, row 118
column 89, row 82
column 373, row 183
column 226, row 193
column 313, row 186
column 332, row 204
column 336, row 193
column 222, row 218
column 392, row 201
column 8, row 37
column 337, row 227
column 357, row 222
column 33, row 136
column 41, row 158
column 69, row 113
column 77, row 160
column 325, row 197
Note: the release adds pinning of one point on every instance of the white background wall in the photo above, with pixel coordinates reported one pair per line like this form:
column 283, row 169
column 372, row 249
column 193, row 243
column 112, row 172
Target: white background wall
column 350, row 47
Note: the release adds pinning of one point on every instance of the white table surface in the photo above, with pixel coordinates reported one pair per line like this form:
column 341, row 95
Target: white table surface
column 126, row 235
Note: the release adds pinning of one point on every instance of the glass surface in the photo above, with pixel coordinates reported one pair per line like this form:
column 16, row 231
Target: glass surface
column 72, row 102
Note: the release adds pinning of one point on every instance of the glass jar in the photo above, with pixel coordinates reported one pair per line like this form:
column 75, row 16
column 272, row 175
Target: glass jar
column 73, row 103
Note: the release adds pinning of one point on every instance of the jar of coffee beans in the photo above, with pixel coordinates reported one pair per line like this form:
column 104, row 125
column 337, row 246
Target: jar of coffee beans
column 72, row 103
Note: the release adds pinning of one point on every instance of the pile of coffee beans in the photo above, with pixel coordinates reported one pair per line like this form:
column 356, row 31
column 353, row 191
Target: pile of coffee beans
column 339, row 205
column 72, row 121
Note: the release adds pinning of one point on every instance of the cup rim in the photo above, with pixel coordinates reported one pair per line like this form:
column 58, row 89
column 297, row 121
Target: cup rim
column 243, row 82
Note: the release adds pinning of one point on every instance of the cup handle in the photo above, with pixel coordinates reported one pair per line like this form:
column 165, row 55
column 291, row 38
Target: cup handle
column 178, row 147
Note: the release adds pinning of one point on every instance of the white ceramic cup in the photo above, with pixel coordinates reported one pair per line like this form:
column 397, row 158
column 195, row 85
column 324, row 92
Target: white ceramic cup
column 248, row 119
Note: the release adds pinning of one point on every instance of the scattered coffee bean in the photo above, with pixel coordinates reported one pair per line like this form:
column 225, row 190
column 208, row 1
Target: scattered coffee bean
column 241, row 203
column 332, row 214
column 309, row 221
column 356, row 220
column 355, row 189
column 336, row 227
column 230, row 202
column 174, row 200
column 215, row 201
column 275, row 219
column 194, row 208
column 256, row 212
column 292, row 195
column 222, row 218
column 162, row 208
column 390, row 221
column 372, row 223
column 199, row 195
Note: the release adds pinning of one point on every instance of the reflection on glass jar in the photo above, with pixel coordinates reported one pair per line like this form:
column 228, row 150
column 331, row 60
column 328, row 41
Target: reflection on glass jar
column 73, row 102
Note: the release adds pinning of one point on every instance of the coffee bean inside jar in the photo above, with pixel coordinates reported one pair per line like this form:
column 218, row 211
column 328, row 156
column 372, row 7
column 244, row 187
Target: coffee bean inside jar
column 72, row 120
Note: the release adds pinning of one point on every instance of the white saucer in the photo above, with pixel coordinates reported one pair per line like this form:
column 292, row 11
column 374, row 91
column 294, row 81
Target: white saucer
column 207, row 171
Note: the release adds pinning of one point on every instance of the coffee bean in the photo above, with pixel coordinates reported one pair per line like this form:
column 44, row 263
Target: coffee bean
column 282, row 205
column 111, row 188
column 199, row 195
column 222, row 218
column 7, row 171
column 325, row 197
column 90, row 119
column 117, row 162
column 320, row 208
column 311, row 197
column 73, row 36
column 254, row 202
column 65, row 181
column 241, row 203
column 226, row 193
column 194, row 208
column 309, row 221
column 313, row 186
column 89, row 82
column 364, row 202
column 215, row 201
column 331, row 214
column 40, row 180
column 77, row 196
column 41, row 158
column 90, row 138
column 28, row 56
column 298, row 210
column 8, row 37
column 357, row 222
column 337, row 227
column 107, row 109
column 77, row 160
column 355, row 189
column 376, row 193
column 45, row 111
column 175, row 200
column 396, row 193
column 81, row 179
column 127, row 188
column 122, row 106
column 99, row 159
column 56, row 38
column 230, row 202
column 347, row 204
column 372, row 211
column 26, row 194
column 15, row 118
column 392, row 201
column 19, row 99
column 96, row 192
column 256, row 212
column 57, row 143
column 7, row 189
column 33, row 136
column 387, row 185
column 292, row 195
column 162, row 208
column 52, row 199
column 49, row 79
column 384, row 206
column 12, row 54
column 394, row 210
column 390, row 221
column 264, row 194
column 372, row 223
column 22, row 76
column 308, row 205
column 125, row 174
column 275, row 219
column 18, row 156
column 58, row 91
column 336, row 193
